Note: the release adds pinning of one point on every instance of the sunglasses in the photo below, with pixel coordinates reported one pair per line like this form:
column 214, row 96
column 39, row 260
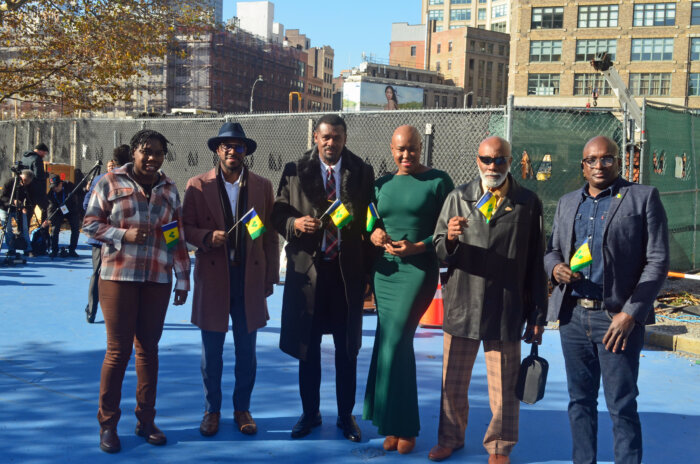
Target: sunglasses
column 240, row 149
column 605, row 161
column 498, row 161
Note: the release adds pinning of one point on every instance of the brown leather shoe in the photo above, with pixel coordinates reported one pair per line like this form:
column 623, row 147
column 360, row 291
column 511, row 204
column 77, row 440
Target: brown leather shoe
column 391, row 442
column 210, row 424
column 109, row 441
column 406, row 445
column 245, row 422
column 151, row 433
column 499, row 459
column 440, row 453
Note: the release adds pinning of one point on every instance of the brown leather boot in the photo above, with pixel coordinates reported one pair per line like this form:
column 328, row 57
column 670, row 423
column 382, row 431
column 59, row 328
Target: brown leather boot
column 109, row 441
column 499, row 459
column 210, row 424
column 391, row 443
column 151, row 433
column 406, row 445
column 245, row 422
column 440, row 453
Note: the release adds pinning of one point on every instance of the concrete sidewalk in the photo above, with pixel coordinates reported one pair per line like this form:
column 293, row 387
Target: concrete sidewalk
column 50, row 361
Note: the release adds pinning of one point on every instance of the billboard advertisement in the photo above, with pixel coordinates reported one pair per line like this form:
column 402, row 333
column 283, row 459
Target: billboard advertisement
column 372, row 96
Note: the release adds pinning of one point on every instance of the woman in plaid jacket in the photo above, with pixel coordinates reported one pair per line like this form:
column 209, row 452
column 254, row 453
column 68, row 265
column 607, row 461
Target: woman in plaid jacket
column 135, row 211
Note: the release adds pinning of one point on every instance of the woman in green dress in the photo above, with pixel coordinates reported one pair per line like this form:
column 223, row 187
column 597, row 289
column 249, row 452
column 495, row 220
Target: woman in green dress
column 405, row 280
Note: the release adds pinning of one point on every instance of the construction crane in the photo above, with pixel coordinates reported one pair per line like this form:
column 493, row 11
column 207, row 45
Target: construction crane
column 602, row 63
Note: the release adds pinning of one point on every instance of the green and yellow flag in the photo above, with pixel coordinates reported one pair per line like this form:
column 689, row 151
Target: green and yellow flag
column 372, row 216
column 339, row 214
column 581, row 258
column 253, row 223
column 171, row 234
column 487, row 205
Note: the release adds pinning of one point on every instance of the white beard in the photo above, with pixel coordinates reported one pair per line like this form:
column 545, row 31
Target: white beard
column 492, row 182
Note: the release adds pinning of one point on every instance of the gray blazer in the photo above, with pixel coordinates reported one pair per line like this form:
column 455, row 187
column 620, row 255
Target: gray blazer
column 635, row 251
column 496, row 278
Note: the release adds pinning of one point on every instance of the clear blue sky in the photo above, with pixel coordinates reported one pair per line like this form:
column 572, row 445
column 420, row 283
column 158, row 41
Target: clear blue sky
column 350, row 27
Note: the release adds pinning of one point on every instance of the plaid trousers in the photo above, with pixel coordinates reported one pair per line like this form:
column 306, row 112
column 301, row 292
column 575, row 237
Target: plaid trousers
column 502, row 365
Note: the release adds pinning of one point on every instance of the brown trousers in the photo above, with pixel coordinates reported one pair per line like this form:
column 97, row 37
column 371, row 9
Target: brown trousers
column 134, row 314
column 502, row 365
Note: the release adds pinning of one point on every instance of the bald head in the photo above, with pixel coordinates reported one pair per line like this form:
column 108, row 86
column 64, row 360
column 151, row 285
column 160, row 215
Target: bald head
column 599, row 143
column 494, row 144
column 405, row 134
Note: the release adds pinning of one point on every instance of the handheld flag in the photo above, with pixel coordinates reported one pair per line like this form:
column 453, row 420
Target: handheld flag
column 171, row 234
column 487, row 205
column 339, row 214
column 581, row 258
column 253, row 223
column 372, row 216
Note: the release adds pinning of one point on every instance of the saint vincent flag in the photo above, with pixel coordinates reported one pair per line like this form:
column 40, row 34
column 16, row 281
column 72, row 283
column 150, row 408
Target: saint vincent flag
column 487, row 205
column 339, row 214
column 372, row 216
column 171, row 234
column 581, row 258
column 253, row 223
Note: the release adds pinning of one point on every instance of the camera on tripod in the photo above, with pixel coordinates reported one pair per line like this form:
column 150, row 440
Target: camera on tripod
column 18, row 168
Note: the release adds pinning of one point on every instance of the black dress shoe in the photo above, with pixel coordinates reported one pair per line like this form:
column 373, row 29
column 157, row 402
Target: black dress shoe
column 349, row 426
column 151, row 433
column 109, row 441
column 304, row 425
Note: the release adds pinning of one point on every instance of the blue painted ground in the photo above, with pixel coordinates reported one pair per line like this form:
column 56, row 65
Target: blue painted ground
column 50, row 362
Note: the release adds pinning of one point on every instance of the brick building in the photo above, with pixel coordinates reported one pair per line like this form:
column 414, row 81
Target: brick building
column 482, row 14
column 655, row 47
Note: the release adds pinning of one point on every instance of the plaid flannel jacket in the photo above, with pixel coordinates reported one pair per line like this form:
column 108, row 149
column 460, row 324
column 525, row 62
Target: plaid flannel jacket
column 118, row 203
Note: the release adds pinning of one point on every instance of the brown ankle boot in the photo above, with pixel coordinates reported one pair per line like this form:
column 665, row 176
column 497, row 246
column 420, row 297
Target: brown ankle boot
column 151, row 433
column 391, row 443
column 109, row 440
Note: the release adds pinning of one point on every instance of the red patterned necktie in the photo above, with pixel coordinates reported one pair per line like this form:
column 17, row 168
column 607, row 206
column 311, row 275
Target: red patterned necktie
column 330, row 231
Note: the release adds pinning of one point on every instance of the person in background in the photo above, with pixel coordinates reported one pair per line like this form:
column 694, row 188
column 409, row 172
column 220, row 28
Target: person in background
column 135, row 212
column 17, row 210
column 63, row 205
column 34, row 161
column 121, row 156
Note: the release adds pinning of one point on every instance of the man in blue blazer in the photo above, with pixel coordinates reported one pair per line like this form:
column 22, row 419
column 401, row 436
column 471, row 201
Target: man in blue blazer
column 603, row 308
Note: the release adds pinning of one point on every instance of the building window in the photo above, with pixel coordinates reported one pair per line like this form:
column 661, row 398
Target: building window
column 481, row 14
column 547, row 18
column 449, row 46
column 654, row 14
column 437, row 66
column 586, row 84
column 695, row 49
column 436, row 2
column 483, row 1
column 545, row 50
column 502, row 50
column 460, row 2
column 498, row 27
column 413, row 50
column 449, row 65
column 499, row 11
column 586, row 50
column 456, row 26
column 597, row 16
column 694, row 84
column 652, row 49
column 437, row 15
column 650, row 84
column 543, row 84
column 489, row 48
column 460, row 15
column 439, row 47
column 438, row 28
column 695, row 14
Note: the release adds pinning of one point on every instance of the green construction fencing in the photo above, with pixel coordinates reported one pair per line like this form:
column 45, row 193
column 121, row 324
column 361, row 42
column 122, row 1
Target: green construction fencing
column 669, row 163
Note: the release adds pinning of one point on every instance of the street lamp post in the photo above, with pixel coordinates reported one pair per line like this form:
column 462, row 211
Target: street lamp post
column 252, row 91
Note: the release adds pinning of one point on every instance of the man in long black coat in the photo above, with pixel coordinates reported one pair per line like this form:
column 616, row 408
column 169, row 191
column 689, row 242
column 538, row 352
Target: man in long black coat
column 326, row 268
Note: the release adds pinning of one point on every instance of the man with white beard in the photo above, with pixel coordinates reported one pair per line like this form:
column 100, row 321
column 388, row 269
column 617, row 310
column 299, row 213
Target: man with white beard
column 491, row 235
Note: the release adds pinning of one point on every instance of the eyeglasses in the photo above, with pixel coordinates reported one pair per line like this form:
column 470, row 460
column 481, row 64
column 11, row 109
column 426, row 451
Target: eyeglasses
column 240, row 149
column 605, row 161
column 498, row 161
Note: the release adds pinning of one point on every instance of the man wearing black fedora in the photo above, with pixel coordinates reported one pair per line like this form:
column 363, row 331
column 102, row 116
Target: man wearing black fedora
column 233, row 273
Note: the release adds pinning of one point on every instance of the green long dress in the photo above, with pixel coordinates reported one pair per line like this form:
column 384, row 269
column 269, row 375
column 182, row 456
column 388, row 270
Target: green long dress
column 408, row 206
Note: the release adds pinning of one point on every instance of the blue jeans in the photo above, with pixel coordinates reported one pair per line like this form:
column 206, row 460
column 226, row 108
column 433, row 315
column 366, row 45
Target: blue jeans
column 21, row 219
column 244, row 345
column 586, row 359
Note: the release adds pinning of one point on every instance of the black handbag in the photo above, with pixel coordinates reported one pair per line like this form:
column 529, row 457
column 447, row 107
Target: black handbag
column 532, row 378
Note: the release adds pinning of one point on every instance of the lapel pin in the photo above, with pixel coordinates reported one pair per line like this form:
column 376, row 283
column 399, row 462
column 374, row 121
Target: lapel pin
column 508, row 208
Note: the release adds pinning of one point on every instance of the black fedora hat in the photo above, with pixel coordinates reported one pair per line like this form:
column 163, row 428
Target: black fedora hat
column 232, row 130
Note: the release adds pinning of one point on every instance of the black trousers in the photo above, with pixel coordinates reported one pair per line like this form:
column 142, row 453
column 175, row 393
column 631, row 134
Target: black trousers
column 330, row 316
column 74, row 221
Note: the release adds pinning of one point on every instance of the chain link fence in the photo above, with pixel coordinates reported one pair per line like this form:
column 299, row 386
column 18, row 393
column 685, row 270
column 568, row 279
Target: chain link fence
column 547, row 148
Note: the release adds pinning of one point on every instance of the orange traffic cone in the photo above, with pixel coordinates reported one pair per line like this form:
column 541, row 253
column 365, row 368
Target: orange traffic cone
column 432, row 318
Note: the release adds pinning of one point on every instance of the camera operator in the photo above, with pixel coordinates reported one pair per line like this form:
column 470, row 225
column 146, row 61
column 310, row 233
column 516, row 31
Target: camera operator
column 17, row 210
column 34, row 161
column 62, row 205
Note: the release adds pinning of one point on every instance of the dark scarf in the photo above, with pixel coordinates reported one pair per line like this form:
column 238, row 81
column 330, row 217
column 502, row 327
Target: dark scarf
column 236, row 240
